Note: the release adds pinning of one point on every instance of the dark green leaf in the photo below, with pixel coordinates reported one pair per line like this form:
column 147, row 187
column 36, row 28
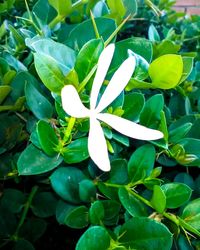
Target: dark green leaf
column 87, row 190
column 95, row 237
column 176, row 194
column 65, row 182
column 33, row 161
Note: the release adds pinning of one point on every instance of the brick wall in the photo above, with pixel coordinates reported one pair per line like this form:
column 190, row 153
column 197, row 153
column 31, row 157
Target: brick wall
column 188, row 6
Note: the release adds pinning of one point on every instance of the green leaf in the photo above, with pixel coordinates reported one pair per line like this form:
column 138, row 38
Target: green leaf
column 65, row 182
column 158, row 199
column 191, row 214
column 133, row 105
column 62, row 211
column 150, row 115
column 145, row 234
column 33, row 161
column 49, row 72
column 166, row 47
column 84, row 31
column 32, row 229
column 63, row 56
column 191, row 156
column 118, row 172
column 139, row 46
column 77, row 217
column 187, row 68
column 37, row 102
column 153, row 34
column 4, row 91
column 13, row 200
column 95, row 237
column 178, row 133
column 47, row 137
column 176, row 194
column 87, row 191
column 88, row 57
column 166, row 71
column 141, row 162
column 63, row 7
column 111, row 212
column 76, row 151
column 44, row 204
column 96, row 213
column 23, row 244
column 134, row 207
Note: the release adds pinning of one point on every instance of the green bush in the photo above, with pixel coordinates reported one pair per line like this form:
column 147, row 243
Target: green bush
column 52, row 191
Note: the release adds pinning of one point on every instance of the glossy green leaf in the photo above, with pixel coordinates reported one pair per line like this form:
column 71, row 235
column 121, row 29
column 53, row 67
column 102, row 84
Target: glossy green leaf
column 47, row 137
column 133, row 105
column 96, row 213
column 118, row 172
column 191, row 214
column 150, row 115
column 95, row 237
column 141, row 162
column 62, row 211
column 61, row 55
column 65, row 182
column 191, row 156
column 37, row 102
column 76, row 151
column 87, row 191
column 88, row 57
column 84, row 31
column 158, row 199
column 111, row 212
column 134, row 207
column 178, row 133
column 176, row 194
column 77, row 217
column 166, row 71
column 33, row 161
column 146, row 234
column 49, row 72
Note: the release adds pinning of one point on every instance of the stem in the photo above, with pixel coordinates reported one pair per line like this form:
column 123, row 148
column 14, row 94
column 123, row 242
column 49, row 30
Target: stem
column 87, row 78
column 94, row 25
column 25, row 211
column 55, row 21
column 116, row 31
column 153, row 7
column 139, row 197
column 70, row 126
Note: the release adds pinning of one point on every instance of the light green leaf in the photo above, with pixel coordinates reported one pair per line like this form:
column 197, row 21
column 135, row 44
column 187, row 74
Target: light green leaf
column 166, row 71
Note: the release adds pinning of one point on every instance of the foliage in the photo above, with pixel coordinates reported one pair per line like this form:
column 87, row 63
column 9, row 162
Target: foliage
column 150, row 198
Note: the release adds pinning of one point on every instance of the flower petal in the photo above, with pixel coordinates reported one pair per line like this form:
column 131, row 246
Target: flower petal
column 97, row 145
column 129, row 128
column 117, row 83
column 103, row 65
column 72, row 104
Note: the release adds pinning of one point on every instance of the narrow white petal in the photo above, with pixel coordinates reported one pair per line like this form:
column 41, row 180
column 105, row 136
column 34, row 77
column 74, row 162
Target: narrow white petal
column 117, row 83
column 129, row 128
column 103, row 65
column 97, row 146
column 72, row 104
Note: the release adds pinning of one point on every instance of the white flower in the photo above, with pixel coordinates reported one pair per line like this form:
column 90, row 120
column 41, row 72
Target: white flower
column 73, row 106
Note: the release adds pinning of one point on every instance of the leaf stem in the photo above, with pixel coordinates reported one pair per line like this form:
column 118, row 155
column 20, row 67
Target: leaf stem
column 25, row 211
column 68, row 131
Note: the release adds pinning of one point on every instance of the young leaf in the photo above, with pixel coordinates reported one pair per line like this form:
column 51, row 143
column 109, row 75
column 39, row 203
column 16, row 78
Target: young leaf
column 176, row 194
column 158, row 199
column 141, row 162
column 166, row 71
